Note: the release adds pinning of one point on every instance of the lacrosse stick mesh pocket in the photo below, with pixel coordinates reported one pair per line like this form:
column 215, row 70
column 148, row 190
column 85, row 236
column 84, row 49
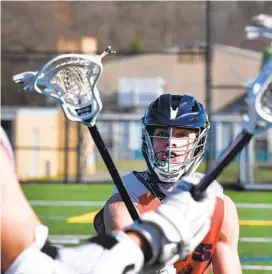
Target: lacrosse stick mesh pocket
column 72, row 79
column 266, row 100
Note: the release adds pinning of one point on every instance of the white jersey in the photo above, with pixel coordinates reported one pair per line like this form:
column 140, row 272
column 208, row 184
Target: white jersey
column 136, row 188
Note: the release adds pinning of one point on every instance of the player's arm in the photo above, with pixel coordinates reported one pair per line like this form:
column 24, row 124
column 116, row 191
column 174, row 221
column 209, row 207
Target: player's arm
column 226, row 258
column 161, row 237
column 116, row 215
column 18, row 220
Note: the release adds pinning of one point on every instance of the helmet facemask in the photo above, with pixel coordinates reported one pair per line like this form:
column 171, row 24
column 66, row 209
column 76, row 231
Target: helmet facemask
column 172, row 156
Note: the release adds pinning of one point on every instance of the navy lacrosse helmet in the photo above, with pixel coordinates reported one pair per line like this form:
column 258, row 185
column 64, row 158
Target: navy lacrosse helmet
column 169, row 112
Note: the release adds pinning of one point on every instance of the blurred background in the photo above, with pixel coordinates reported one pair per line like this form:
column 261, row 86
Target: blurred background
column 190, row 47
column 197, row 48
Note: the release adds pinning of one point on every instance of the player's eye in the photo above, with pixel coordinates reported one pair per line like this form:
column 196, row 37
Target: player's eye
column 181, row 135
column 162, row 134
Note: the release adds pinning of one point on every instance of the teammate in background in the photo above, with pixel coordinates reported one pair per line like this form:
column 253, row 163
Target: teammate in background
column 174, row 132
column 155, row 241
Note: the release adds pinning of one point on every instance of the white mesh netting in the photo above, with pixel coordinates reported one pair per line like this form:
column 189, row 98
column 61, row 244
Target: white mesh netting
column 73, row 78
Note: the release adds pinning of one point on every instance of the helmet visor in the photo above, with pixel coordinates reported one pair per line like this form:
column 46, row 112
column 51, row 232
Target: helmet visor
column 174, row 147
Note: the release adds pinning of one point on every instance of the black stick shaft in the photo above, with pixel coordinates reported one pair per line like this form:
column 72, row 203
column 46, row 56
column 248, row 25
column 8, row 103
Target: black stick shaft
column 236, row 146
column 113, row 172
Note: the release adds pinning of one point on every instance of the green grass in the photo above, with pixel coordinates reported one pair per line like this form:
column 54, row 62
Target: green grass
column 254, row 214
column 257, row 272
column 66, row 211
column 229, row 175
column 62, row 227
column 246, row 249
column 256, row 231
column 59, row 192
column 69, row 192
column 250, row 196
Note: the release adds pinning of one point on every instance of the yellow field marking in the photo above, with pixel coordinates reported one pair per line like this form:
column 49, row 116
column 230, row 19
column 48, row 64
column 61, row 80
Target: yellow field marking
column 256, row 223
column 87, row 218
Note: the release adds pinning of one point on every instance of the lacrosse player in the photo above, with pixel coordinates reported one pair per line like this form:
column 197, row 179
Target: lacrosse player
column 154, row 241
column 174, row 132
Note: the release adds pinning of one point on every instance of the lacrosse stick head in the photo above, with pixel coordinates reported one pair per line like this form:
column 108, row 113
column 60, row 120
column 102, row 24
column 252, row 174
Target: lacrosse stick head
column 263, row 90
column 263, row 103
column 71, row 79
column 261, row 28
column 263, row 20
column 260, row 100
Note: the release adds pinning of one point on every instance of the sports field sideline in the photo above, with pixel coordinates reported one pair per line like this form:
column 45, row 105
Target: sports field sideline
column 56, row 203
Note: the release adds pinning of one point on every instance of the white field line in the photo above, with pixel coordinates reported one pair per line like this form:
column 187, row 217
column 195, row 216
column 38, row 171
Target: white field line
column 253, row 205
column 257, row 267
column 71, row 238
column 66, row 203
column 101, row 203
column 68, row 239
column 65, row 241
column 255, row 240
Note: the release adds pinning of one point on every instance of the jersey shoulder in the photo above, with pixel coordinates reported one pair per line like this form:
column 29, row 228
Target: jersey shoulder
column 134, row 187
column 214, row 187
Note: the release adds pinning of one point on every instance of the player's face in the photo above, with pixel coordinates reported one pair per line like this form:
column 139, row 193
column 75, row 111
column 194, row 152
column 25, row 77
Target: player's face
column 173, row 144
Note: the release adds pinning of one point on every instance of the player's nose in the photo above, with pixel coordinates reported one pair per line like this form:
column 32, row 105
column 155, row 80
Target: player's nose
column 171, row 142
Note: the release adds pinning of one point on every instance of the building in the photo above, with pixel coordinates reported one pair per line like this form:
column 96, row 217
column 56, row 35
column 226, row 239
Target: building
column 186, row 73
column 38, row 138
column 44, row 128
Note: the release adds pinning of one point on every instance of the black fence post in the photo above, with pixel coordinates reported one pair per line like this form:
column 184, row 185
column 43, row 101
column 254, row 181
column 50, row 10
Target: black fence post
column 79, row 150
column 208, row 80
column 66, row 151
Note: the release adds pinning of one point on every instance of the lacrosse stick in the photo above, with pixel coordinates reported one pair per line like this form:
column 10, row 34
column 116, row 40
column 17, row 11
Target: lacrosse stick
column 260, row 112
column 254, row 32
column 72, row 79
column 260, row 107
column 261, row 27
column 263, row 20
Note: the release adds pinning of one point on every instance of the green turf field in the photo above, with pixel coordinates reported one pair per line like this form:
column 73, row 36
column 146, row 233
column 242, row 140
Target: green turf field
column 55, row 216
column 230, row 174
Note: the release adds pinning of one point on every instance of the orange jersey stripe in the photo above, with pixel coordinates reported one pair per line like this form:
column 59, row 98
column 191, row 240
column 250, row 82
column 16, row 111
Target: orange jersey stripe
column 199, row 261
